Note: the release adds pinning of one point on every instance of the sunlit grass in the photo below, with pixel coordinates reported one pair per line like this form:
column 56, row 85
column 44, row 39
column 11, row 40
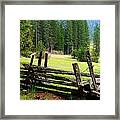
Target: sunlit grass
column 63, row 62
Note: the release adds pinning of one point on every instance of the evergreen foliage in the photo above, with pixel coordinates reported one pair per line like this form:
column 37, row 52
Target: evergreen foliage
column 96, row 43
column 68, row 36
column 26, row 38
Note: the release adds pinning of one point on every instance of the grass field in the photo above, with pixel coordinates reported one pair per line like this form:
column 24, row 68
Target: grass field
column 63, row 62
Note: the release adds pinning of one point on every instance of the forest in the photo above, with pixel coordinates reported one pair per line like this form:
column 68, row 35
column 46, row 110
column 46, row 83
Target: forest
column 64, row 37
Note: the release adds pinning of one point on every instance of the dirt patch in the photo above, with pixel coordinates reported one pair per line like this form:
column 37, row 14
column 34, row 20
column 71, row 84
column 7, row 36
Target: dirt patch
column 47, row 96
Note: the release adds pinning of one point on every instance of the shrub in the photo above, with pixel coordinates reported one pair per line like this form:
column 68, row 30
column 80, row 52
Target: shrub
column 26, row 53
column 74, row 53
column 94, row 56
column 81, row 56
column 40, row 47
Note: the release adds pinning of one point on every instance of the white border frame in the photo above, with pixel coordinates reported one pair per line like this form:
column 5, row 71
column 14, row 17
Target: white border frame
column 73, row 2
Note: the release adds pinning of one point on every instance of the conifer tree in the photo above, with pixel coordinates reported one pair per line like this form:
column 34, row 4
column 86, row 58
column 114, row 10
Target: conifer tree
column 96, row 43
column 26, row 37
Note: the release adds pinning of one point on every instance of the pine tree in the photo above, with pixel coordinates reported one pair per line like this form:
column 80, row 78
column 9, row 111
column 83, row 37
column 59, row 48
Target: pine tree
column 52, row 34
column 26, row 37
column 59, row 42
column 39, row 29
column 83, row 40
column 96, row 43
column 68, row 37
column 75, row 33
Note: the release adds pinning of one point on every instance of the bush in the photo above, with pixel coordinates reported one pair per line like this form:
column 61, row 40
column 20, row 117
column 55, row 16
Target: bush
column 74, row 53
column 94, row 56
column 26, row 53
column 40, row 47
column 81, row 56
column 95, row 59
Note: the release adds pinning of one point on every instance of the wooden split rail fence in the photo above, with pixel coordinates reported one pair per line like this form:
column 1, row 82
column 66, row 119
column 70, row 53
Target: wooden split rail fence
column 48, row 79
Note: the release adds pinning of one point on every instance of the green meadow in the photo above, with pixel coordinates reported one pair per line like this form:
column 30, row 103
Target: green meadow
column 63, row 62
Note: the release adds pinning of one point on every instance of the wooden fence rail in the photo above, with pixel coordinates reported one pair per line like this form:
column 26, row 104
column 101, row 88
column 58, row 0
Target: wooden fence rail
column 56, row 71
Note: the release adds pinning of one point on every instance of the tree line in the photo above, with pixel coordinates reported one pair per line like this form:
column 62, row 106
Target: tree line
column 65, row 36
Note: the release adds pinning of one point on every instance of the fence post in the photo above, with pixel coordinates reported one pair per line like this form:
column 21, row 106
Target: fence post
column 78, row 78
column 31, row 60
column 89, row 62
column 77, row 72
column 28, row 78
column 46, row 59
column 40, row 58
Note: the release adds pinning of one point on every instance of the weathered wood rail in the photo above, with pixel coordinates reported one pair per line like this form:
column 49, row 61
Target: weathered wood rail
column 56, row 71
column 48, row 79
